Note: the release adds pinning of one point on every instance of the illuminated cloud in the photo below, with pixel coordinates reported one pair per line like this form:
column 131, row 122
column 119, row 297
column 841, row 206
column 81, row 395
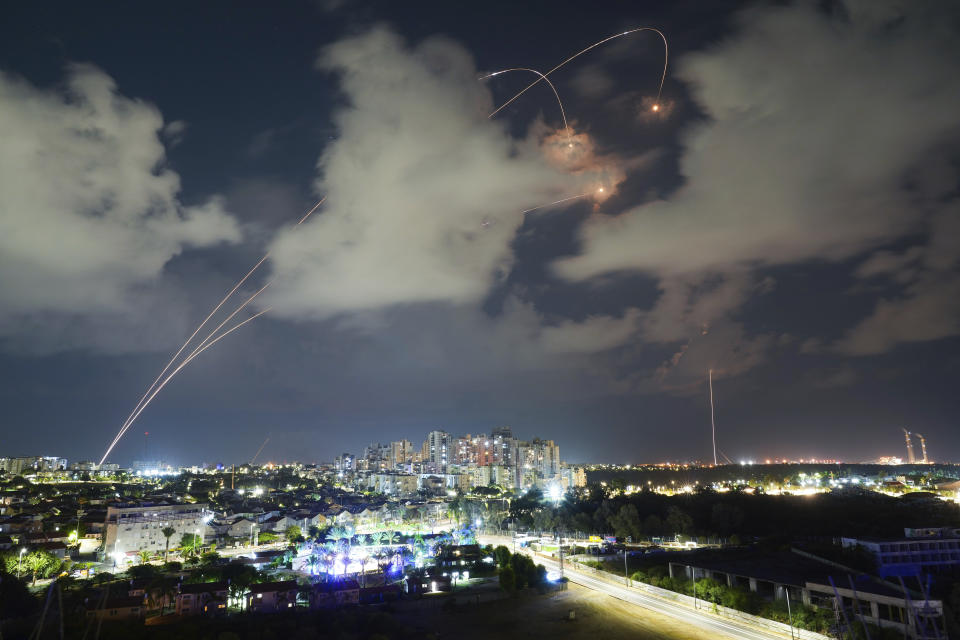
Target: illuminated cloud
column 424, row 192
column 89, row 215
column 820, row 137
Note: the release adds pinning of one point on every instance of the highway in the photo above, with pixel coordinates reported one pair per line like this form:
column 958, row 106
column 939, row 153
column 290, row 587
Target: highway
column 703, row 620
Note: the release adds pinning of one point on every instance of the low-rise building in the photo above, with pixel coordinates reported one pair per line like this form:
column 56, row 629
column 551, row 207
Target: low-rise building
column 929, row 549
column 204, row 598
column 339, row 593
column 125, row 608
column 270, row 597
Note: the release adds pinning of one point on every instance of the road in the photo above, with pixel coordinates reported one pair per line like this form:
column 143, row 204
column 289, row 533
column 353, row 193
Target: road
column 681, row 612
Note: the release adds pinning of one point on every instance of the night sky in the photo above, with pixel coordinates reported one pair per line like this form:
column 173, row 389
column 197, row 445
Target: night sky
column 789, row 218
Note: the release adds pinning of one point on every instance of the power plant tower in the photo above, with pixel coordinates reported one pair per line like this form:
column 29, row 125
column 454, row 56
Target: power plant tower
column 910, row 457
column 923, row 447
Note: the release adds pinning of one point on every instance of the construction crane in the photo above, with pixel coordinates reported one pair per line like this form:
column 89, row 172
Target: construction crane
column 923, row 447
column 910, row 457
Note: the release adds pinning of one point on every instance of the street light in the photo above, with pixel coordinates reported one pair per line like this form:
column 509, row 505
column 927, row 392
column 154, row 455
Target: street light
column 23, row 550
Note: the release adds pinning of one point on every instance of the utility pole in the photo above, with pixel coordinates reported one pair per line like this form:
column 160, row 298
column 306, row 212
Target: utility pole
column 626, row 573
column 789, row 613
column 693, row 579
column 561, row 555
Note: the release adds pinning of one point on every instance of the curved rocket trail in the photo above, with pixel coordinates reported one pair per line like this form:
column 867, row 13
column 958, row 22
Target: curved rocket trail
column 145, row 399
column 543, row 77
column 663, row 76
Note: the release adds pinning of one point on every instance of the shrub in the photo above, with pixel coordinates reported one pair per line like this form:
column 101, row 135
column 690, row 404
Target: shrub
column 508, row 581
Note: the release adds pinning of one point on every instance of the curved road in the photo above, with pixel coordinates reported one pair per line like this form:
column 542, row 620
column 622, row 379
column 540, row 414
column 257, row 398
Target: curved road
column 702, row 620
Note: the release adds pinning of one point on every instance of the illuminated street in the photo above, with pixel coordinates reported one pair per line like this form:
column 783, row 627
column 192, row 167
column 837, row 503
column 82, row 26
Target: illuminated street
column 700, row 619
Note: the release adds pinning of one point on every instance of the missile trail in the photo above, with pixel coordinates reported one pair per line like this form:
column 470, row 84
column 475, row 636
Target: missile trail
column 550, row 204
column 257, row 454
column 563, row 113
column 138, row 407
column 196, row 351
column 663, row 76
column 187, row 361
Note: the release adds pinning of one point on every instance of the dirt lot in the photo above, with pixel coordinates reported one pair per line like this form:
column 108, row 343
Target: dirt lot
column 598, row 617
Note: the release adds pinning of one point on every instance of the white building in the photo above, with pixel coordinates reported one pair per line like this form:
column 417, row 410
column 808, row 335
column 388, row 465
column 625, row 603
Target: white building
column 134, row 528
column 28, row 464
column 393, row 484
column 438, row 449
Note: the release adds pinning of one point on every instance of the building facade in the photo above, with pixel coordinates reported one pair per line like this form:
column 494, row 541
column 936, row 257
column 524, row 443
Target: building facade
column 133, row 528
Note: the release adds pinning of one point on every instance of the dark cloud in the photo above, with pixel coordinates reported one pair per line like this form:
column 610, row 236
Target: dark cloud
column 815, row 125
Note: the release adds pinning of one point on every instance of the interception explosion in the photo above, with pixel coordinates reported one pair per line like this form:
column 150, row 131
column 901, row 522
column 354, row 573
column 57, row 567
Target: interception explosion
column 213, row 337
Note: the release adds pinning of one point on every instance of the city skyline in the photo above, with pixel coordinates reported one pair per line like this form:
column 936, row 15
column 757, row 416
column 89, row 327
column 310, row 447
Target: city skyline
column 792, row 231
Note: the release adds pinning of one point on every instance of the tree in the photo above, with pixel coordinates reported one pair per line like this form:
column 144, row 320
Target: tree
column 189, row 544
column 144, row 557
column 294, row 533
column 725, row 518
column 502, row 555
column 508, row 580
column 678, row 521
column 626, row 522
column 167, row 532
column 39, row 561
column 143, row 571
column 653, row 525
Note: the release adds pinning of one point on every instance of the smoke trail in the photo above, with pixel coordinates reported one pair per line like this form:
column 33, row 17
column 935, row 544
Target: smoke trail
column 550, row 204
column 563, row 113
column 196, row 352
column 203, row 342
column 713, row 424
column 663, row 76
column 138, row 406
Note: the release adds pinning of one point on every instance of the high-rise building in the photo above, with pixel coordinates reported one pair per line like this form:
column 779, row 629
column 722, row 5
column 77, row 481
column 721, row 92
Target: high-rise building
column 377, row 456
column 438, row 447
column 345, row 462
column 401, row 454
column 535, row 462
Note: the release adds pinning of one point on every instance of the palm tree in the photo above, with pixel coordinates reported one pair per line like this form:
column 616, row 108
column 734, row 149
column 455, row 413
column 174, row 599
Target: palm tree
column 36, row 562
column 167, row 531
column 363, row 569
column 382, row 538
column 144, row 557
column 336, row 533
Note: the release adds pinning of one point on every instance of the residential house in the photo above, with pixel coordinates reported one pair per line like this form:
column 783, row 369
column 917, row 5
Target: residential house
column 270, row 597
column 327, row 595
column 125, row 608
column 203, row 598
